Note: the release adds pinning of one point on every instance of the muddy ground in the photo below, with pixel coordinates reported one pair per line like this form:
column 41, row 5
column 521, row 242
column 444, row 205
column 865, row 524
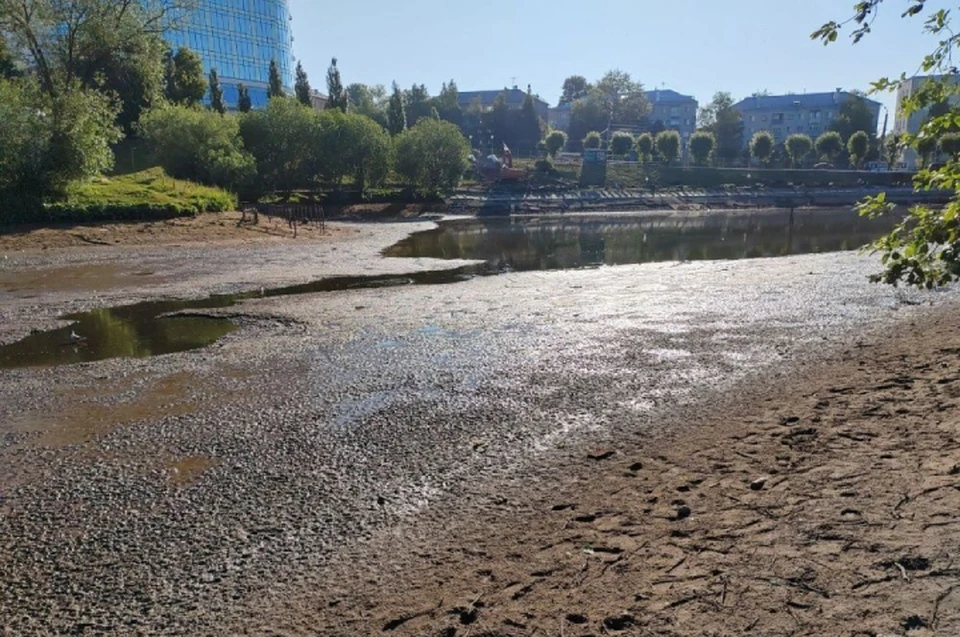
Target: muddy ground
column 560, row 453
column 824, row 502
column 211, row 228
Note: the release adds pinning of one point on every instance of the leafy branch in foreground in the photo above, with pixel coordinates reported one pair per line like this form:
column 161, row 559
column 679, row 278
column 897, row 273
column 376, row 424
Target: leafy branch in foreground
column 924, row 249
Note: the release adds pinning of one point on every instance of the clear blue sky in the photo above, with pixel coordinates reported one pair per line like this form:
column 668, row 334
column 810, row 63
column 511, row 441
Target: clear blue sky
column 696, row 47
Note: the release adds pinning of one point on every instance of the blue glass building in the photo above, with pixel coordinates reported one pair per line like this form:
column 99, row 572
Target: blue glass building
column 239, row 38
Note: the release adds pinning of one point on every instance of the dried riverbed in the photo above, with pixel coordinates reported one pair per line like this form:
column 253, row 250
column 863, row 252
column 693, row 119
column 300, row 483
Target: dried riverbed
column 174, row 494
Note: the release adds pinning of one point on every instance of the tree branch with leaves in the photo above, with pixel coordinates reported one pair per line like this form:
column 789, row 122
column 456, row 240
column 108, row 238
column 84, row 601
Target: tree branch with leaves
column 923, row 250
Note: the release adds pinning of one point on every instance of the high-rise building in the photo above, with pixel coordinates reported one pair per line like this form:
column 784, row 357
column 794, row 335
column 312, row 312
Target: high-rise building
column 239, row 38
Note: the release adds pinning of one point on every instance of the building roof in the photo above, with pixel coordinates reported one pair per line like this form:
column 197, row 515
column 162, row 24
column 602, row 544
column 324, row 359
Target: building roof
column 514, row 96
column 803, row 100
column 667, row 95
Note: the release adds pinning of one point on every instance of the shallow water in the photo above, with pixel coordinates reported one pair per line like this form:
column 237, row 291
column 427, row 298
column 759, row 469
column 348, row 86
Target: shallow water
column 554, row 243
column 143, row 329
column 522, row 244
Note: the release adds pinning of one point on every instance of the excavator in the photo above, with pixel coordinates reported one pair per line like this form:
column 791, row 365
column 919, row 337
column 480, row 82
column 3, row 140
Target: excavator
column 496, row 169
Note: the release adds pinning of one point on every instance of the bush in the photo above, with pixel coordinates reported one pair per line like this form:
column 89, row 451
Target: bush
column 858, row 146
column 432, row 155
column 592, row 140
column 798, row 147
column 701, row 147
column 645, row 146
column 555, row 142
column 829, row 145
column 761, row 146
column 668, row 143
column 621, row 143
column 192, row 143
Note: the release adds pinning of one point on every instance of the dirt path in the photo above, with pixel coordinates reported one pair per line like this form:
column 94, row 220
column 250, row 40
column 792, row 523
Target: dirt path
column 823, row 502
column 217, row 228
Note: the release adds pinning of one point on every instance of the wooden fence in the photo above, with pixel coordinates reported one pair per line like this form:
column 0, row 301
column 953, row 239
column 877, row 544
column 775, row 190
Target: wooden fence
column 295, row 214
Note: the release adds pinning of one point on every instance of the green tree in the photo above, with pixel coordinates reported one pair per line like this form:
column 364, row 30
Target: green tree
column 396, row 112
column 701, row 147
column 857, row 146
column 855, row 115
column 301, row 86
column 244, row 104
column 592, row 140
column 186, row 83
column 370, row 101
column 48, row 142
column 432, row 155
column 416, row 104
column 197, row 144
column 645, row 146
column 668, row 144
column 924, row 249
column 283, row 139
column 350, row 144
column 798, row 148
column 950, row 144
column 623, row 96
column 530, row 131
column 926, row 146
column 556, row 140
column 8, row 64
column 587, row 115
column 761, row 146
column 336, row 96
column 575, row 87
column 621, row 143
column 216, row 93
column 103, row 45
column 723, row 120
column 275, row 82
column 447, row 103
column 829, row 145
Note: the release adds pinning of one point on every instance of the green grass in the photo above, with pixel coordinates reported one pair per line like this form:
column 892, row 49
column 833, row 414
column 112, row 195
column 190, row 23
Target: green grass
column 146, row 195
column 151, row 187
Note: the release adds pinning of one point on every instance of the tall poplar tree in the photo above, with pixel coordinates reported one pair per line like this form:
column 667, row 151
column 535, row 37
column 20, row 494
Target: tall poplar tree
column 302, row 86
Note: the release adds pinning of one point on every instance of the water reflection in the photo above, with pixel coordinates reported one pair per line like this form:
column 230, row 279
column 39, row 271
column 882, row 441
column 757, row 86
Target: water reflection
column 142, row 330
column 134, row 331
column 553, row 243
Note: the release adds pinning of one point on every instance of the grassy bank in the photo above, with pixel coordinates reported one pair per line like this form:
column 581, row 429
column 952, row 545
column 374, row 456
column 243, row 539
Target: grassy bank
column 148, row 194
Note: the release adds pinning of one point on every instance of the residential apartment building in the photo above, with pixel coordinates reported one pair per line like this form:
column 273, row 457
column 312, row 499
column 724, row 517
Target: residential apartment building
column 902, row 124
column 675, row 111
column 513, row 96
column 784, row 115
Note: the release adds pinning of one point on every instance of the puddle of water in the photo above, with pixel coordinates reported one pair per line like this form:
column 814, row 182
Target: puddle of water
column 88, row 278
column 142, row 330
column 554, row 243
